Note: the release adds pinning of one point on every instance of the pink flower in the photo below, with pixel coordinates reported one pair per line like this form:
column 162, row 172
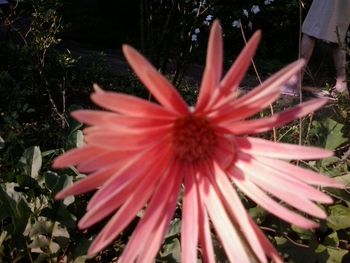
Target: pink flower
column 140, row 154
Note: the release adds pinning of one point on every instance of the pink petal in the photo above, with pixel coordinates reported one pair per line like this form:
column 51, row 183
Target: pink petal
column 204, row 231
column 104, row 118
column 189, row 223
column 124, row 141
column 103, row 160
column 237, row 111
column 75, row 156
column 88, row 183
column 236, row 211
column 134, row 167
column 225, row 153
column 237, row 71
column 108, row 205
column 257, row 172
column 258, row 98
column 130, row 105
column 258, row 196
column 277, row 120
column 167, row 190
column 257, row 146
column 213, row 68
column 226, row 232
column 301, row 174
column 267, row 246
column 126, row 213
column 159, row 86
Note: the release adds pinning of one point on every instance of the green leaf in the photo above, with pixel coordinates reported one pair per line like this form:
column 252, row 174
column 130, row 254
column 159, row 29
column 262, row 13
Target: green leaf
column 175, row 228
column 304, row 234
column 332, row 240
column 339, row 217
column 334, row 137
column 32, row 161
column 172, row 250
column 344, row 179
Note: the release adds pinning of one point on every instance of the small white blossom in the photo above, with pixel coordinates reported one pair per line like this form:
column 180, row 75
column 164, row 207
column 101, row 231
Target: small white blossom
column 197, row 30
column 268, row 2
column 209, row 18
column 194, row 38
column 255, row 9
column 194, row 10
column 206, row 23
column 245, row 12
column 250, row 25
column 236, row 23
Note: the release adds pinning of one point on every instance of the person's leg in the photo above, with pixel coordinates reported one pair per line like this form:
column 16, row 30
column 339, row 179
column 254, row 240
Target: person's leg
column 306, row 49
column 339, row 57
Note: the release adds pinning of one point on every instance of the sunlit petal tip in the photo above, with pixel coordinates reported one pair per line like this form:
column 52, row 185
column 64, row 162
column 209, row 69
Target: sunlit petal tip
column 60, row 162
column 97, row 88
column 61, row 195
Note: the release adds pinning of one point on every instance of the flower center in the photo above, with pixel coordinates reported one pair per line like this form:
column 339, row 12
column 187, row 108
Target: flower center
column 193, row 139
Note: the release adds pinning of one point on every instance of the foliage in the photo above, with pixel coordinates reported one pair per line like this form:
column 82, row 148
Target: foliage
column 41, row 82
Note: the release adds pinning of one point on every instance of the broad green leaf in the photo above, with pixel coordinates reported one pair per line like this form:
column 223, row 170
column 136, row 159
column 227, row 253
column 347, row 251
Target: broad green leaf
column 334, row 137
column 332, row 240
column 304, row 234
column 31, row 160
column 175, row 228
column 339, row 217
column 344, row 179
column 329, row 254
column 258, row 214
column 172, row 249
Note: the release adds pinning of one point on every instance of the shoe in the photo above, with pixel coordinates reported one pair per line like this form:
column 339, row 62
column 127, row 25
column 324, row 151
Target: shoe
column 290, row 90
column 336, row 92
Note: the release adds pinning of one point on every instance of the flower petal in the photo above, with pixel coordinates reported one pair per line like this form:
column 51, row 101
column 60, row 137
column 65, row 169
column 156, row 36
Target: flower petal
column 277, row 120
column 213, row 67
column 301, row 174
column 277, row 181
column 189, row 223
column 113, row 141
column 125, row 214
column 222, row 224
column 130, row 105
column 104, row 118
column 155, row 211
column 88, row 183
column 257, row 146
column 237, row 212
column 237, row 71
column 159, row 86
column 259, row 197
column 257, row 99
column 268, row 247
column 75, row 156
column 136, row 166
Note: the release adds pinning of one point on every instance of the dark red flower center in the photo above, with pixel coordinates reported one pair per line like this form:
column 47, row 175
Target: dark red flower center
column 193, row 139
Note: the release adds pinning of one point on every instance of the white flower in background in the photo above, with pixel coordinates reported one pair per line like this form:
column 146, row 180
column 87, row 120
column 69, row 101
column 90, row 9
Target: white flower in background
column 268, row 2
column 209, row 18
column 194, row 38
column 245, row 12
column 194, row 10
column 255, row 9
column 206, row 23
column 197, row 30
column 250, row 25
column 236, row 23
